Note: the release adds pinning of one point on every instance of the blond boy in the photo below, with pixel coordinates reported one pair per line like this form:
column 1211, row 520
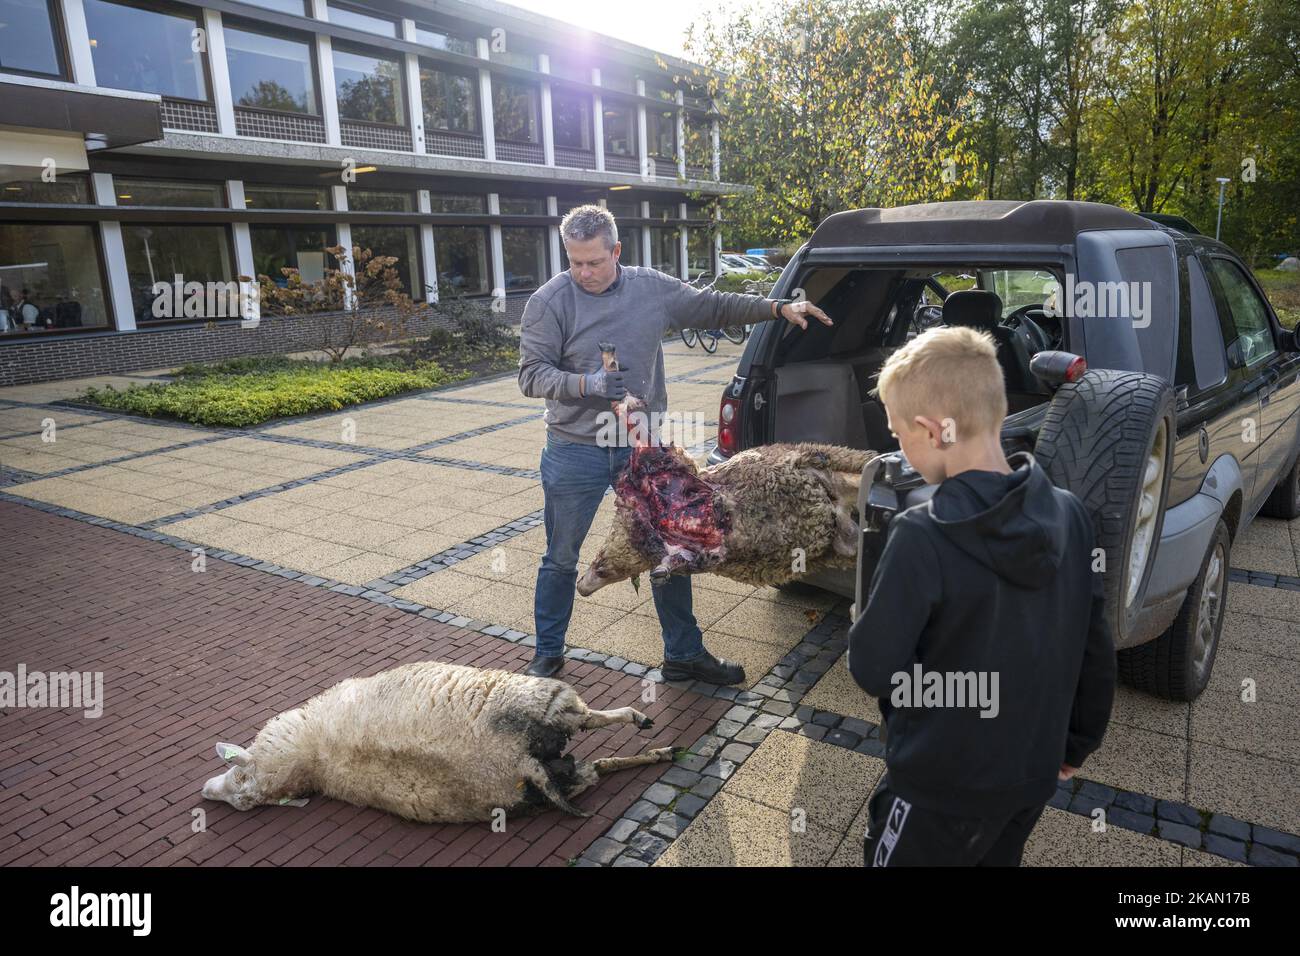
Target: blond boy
column 984, row 635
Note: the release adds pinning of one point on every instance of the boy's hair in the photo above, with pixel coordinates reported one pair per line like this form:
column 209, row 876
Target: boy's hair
column 947, row 372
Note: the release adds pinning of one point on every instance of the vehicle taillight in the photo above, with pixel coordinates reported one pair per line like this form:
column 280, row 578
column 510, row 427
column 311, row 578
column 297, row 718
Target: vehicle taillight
column 729, row 425
column 1076, row 370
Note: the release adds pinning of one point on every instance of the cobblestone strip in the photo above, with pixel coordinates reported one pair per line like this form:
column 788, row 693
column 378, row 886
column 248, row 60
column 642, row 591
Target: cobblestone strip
column 490, row 403
column 41, row 431
column 457, row 553
column 668, row 805
column 695, row 372
column 16, row 476
column 1264, row 579
column 75, row 469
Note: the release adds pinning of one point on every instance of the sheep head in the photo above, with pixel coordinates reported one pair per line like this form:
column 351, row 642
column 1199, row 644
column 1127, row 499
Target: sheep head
column 238, row 786
column 668, row 520
column 241, row 786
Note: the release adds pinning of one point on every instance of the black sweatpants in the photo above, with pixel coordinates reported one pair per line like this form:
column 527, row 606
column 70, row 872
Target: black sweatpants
column 902, row 834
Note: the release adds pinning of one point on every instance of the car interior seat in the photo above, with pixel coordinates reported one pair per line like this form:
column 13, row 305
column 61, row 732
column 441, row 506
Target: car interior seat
column 982, row 310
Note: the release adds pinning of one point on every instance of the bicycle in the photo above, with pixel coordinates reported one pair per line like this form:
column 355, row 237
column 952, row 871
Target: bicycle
column 708, row 339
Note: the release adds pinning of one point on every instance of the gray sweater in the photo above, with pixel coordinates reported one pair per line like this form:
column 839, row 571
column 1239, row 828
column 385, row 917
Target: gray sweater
column 563, row 327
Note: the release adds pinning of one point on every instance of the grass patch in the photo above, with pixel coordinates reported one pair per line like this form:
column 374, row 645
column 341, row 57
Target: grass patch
column 249, row 391
column 1283, row 290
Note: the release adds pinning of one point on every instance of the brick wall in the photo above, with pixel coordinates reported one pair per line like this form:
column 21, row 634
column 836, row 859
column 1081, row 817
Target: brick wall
column 26, row 361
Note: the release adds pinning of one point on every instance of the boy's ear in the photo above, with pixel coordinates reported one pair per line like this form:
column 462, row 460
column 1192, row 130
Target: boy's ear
column 933, row 428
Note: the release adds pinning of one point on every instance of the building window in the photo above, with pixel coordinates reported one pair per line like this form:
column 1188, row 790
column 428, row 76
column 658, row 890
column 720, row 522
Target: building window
column 369, row 88
column 276, row 248
column 137, row 48
column 517, row 58
column 174, row 254
column 357, row 20
column 461, row 252
column 514, row 110
column 445, row 41
column 571, row 119
column 297, row 7
column 457, row 203
column 699, row 251
column 271, row 73
column 524, row 254
column 623, row 210
column 664, row 210
column 67, row 188
column 380, row 200
column 450, row 100
column 401, row 242
column 49, row 279
column 522, row 206
column 663, row 251
column 285, row 197
column 142, row 192
column 620, row 129
column 28, row 38
column 661, row 131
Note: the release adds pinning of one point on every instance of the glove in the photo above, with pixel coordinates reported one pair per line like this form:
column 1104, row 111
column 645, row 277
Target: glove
column 606, row 384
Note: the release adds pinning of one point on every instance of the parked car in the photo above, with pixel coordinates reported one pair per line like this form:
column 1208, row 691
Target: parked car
column 1182, row 428
column 731, row 262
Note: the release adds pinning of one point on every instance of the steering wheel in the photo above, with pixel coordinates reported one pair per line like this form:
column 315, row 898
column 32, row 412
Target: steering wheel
column 1034, row 335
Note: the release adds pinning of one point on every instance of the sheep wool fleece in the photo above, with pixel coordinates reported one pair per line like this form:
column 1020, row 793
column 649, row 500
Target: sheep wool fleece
column 563, row 326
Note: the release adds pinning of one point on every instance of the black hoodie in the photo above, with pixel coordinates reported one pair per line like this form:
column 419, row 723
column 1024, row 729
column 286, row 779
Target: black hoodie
column 992, row 577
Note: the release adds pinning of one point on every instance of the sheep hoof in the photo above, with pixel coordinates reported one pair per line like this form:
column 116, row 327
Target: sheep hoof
column 644, row 722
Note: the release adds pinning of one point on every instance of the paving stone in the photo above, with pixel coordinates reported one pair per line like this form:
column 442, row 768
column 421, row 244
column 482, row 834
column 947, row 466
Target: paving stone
column 1261, row 855
column 626, row 860
column 678, row 776
column 853, row 725
column 766, row 721
column 646, row 846
column 1083, row 804
column 790, row 723
column 736, row 752
column 670, row 825
column 1276, row 839
column 739, row 715
column 778, row 707
column 815, row 731
column 1178, row 812
column 1225, row 847
column 622, row 830
column 1097, row 791
column 688, row 804
column 707, row 787
column 643, row 811
column 603, row 851
column 825, row 718
column 660, row 794
column 728, row 728
column 709, row 744
column 1180, row 833
column 842, row 738
column 1129, row 820
column 1137, row 802
column 752, row 734
column 720, row 768
column 872, row 748
column 1060, row 800
column 693, row 762
column 1229, row 827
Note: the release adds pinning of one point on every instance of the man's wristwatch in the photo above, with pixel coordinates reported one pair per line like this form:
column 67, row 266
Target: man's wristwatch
column 780, row 304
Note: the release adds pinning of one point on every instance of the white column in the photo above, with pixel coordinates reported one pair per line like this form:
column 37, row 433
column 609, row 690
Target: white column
column 645, row 233
column 427, row 251
column 716, row 264
column 682, row 266
column 717, row 151
column 219, row 70
column 486, row 122
column 110, row 235
column 328, row 99
column 498, row 253
column 343, row 236
column 548, row 126
column 83, row 64
column 243, row 237
column 597, row 123
column 414, row 102
column 681, row 135
column 643, row 151
column 553, row 232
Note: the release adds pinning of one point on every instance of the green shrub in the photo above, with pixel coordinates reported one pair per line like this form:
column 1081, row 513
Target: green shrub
column 266, row 388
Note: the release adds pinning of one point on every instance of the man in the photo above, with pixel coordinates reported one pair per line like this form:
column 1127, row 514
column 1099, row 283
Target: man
column 599, row 300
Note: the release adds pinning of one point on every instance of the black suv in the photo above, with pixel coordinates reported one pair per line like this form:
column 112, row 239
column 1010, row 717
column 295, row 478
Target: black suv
column 1183, row 427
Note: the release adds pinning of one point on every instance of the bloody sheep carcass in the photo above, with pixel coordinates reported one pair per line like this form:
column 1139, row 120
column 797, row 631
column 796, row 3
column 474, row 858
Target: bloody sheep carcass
column 750, row 518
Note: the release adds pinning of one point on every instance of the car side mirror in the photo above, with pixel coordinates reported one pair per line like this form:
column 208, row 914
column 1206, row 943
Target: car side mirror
column 1234, row 354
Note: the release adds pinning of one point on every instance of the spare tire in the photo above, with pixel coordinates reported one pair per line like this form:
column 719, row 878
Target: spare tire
column 1109, row 438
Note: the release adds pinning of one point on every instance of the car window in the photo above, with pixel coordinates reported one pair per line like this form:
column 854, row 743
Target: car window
column 1018, row 288
column 1249, row 315
column 1201, row 360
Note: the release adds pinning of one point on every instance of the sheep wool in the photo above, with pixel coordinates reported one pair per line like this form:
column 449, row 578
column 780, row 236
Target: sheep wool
column 430, row 742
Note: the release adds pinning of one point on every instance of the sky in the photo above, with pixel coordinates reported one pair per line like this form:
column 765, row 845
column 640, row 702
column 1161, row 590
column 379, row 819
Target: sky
column 658, row 24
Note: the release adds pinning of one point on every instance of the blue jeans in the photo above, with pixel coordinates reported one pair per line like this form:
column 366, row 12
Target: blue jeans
column 574, row 480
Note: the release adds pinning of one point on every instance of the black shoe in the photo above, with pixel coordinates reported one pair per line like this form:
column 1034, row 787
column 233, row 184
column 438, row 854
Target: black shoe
column 544, row 666
column 707, row 668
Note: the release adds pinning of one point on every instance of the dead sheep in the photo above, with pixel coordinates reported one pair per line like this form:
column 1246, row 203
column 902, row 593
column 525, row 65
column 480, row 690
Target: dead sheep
column 749, row 518
column 431, row 742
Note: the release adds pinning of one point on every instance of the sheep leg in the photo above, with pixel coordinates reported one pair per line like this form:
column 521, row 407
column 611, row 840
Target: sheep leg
column 623, row 715
column 536, row 774
column 611, row 764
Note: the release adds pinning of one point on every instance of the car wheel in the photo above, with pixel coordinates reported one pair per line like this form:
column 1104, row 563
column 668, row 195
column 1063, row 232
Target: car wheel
column 1284, row 502
column 1177, row 664
column 1109, row 438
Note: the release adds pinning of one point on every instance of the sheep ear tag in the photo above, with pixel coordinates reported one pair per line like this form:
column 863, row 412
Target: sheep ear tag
column 297, row 802
column 233, row 753
column 636, row 583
